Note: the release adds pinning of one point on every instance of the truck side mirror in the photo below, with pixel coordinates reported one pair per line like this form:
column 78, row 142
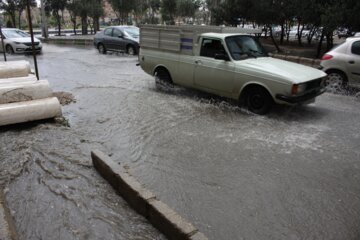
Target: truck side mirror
column 221, row 56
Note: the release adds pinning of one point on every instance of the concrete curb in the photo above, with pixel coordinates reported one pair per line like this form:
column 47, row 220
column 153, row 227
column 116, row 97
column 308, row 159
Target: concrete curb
column 312, row 62
column 161, row 216
column 69, row 41
column 7, row 227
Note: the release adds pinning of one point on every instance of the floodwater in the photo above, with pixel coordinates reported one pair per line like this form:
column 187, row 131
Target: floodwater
column 293, row 174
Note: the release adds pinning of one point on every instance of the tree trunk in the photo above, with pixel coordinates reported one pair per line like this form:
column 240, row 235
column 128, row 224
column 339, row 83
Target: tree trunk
column 59, row 25
column 273, row 40
column 20, row 12
column 13, row 19
column 320, row 44
column 299, row 33
column 311, row 34
column 96, row 24
column 84, row 25
column 329, row 41
column 282, row 34
column 74, row 25
column 288, row 29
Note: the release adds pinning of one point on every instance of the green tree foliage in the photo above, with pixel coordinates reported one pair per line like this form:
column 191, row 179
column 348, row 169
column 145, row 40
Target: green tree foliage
column 10, row 8
column 123, row 8
column 15, row 7
column 168, row 11
column 74, row 7
column 89, row 11
column 57, row 8
column 319, row 17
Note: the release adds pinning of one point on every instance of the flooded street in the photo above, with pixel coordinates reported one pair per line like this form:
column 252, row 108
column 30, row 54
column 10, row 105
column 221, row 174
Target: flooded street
column 293, row 174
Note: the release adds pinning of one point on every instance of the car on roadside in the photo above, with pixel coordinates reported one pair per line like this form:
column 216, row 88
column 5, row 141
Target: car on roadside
column 118, row 39
column 342, row 64
column 17, row 41
column 344, row 33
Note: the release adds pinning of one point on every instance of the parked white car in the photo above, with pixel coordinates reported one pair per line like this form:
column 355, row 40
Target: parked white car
column 342, row 64
column 17, row 41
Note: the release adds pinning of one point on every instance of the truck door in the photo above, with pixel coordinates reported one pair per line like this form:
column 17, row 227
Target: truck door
column 214, row 75
column 353, row 63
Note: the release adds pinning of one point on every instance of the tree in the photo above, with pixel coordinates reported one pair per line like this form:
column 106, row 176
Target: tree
column 57, row 7
column 95, row 11
column 187, row 8
column 21, row 6
column 122, row 9
column 10, row 7
column 168, row 11
column 73, row 7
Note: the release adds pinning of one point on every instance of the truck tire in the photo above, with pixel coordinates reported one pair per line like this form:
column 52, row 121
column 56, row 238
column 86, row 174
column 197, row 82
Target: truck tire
column 162, row 77
column 258, row 100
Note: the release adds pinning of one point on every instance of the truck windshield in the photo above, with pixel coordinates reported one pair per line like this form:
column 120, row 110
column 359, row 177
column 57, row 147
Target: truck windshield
column 242, row 47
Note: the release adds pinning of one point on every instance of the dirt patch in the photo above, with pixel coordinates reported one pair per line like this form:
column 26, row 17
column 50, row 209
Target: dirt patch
column 65, row 98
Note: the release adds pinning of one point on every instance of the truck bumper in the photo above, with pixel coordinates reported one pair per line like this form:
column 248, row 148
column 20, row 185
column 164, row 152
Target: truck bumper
column 301, row 99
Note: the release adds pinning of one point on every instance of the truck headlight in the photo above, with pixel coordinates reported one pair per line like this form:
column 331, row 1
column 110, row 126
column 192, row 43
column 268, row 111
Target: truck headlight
column 298, row 88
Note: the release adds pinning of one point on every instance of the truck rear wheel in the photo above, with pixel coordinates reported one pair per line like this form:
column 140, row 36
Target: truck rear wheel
column 258, row 100
column 162, row 77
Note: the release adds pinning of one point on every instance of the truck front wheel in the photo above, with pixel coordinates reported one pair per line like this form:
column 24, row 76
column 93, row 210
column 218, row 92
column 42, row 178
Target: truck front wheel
column 258, row 100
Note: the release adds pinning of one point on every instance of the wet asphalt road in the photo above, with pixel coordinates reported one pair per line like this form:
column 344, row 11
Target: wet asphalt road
column 293, row 174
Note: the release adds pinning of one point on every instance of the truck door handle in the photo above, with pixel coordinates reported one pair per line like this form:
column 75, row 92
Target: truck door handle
column 197, row 62
column 351, row 61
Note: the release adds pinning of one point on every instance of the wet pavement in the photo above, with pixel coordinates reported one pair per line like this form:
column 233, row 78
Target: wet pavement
column 293, row 174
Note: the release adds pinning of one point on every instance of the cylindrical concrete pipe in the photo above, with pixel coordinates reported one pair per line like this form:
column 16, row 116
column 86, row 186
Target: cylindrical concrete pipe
column 31, row 78
column 12, row 93
column 14, row 69
column 12, row 113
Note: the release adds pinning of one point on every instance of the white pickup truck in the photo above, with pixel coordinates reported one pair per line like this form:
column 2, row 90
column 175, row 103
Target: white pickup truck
column 228, row 62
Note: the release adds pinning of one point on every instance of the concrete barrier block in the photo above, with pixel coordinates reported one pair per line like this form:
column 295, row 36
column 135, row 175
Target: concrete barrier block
column 7, row 226
column 20, row 92
column 14, row 69
column 4, row 227
column 21, row 112
column 169, row 222
column 143, row 201
column 127, row 186
column 29, row 79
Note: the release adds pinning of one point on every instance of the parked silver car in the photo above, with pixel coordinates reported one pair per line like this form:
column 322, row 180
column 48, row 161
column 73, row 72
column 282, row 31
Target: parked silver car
column 17, row 41
column 118, row 38
column 342, row 64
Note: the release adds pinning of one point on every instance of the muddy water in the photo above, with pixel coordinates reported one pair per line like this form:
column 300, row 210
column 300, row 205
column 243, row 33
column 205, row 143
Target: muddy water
column 291, row 175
